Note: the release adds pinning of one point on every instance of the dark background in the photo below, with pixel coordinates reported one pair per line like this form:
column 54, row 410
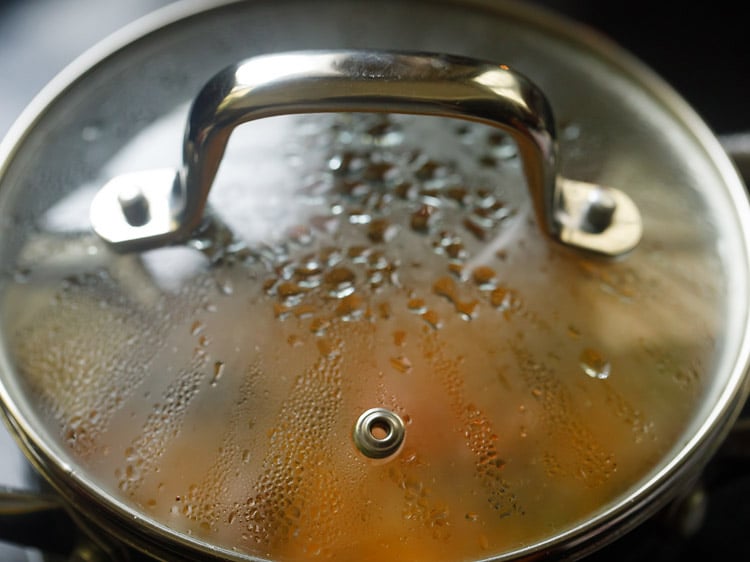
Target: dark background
column 699, row 47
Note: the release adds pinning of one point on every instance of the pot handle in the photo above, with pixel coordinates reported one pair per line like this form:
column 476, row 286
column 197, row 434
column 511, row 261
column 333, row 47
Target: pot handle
column 38, row 520
column 154, row 208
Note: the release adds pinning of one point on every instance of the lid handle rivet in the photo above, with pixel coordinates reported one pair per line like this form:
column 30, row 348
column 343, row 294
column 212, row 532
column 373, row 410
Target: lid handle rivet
column 599, row 212
column 134, row 205
column 379, row 433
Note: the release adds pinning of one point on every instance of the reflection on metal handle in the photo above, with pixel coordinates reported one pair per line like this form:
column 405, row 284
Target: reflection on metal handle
column 150, row 209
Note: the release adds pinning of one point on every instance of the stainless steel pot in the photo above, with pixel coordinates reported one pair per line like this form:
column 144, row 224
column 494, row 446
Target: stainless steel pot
column 374, row 342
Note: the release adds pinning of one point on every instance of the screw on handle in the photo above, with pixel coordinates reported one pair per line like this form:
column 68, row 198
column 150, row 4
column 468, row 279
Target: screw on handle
column 168, row 205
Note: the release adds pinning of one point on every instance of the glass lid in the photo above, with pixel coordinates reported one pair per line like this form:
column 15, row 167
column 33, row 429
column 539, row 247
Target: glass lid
column 369, row 345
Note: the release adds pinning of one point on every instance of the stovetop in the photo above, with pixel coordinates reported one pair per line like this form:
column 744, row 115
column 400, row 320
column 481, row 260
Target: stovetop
column 700, row 51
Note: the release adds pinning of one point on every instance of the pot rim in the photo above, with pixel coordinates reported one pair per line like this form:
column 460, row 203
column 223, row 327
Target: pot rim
column 644, row 498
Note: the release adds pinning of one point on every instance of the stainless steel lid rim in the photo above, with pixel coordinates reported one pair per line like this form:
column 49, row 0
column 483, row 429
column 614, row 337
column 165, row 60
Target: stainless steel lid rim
column 88, row 498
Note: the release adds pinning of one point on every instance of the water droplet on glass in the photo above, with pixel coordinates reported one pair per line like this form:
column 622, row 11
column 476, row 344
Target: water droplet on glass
column 502, row 146
column 295, row 341
column 359, row 216
column 429, row 169
column 477, row 226
column 378, row 171
column 385, row 133
column 330, row 256
column 446, row 287
column 218, row 372
column 416, row 305
column 358, row 254
column 290, row 293
column 327, row 348
column 468, row 310
column 337, row 163
column 381, row 230
column 432, row 319
column 456, row 251
column 351, row 308
column 340, row 282
column 422, row 218
column 467, row 133
column 503, row 298
column 401, row 364
column 197, row 328
column 484, row 277
column 594, row 364
column 225, row 286
column 319, row 326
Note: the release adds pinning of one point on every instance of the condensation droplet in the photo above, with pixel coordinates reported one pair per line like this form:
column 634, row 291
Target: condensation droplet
column 422, row 218
column 319, row 326
column 416, row 305
column 432, row 319
column 502, row 146
column 358, row 254
column 340, row 282
column 503, row 298
column 484, row 277
column 468, row 309
column 399, row 338
column 359, row 216
column 295, row 341
column 225, row 287
column 350, row 308
column 327, row 348
column 381, row 230
column 594, row 364
column 446, row 287
column 218, row 372
column 477, row 226
column 289, row 292
column 401, row 364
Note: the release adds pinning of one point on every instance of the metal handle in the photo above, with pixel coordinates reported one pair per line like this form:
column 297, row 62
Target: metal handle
column 149, row 209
